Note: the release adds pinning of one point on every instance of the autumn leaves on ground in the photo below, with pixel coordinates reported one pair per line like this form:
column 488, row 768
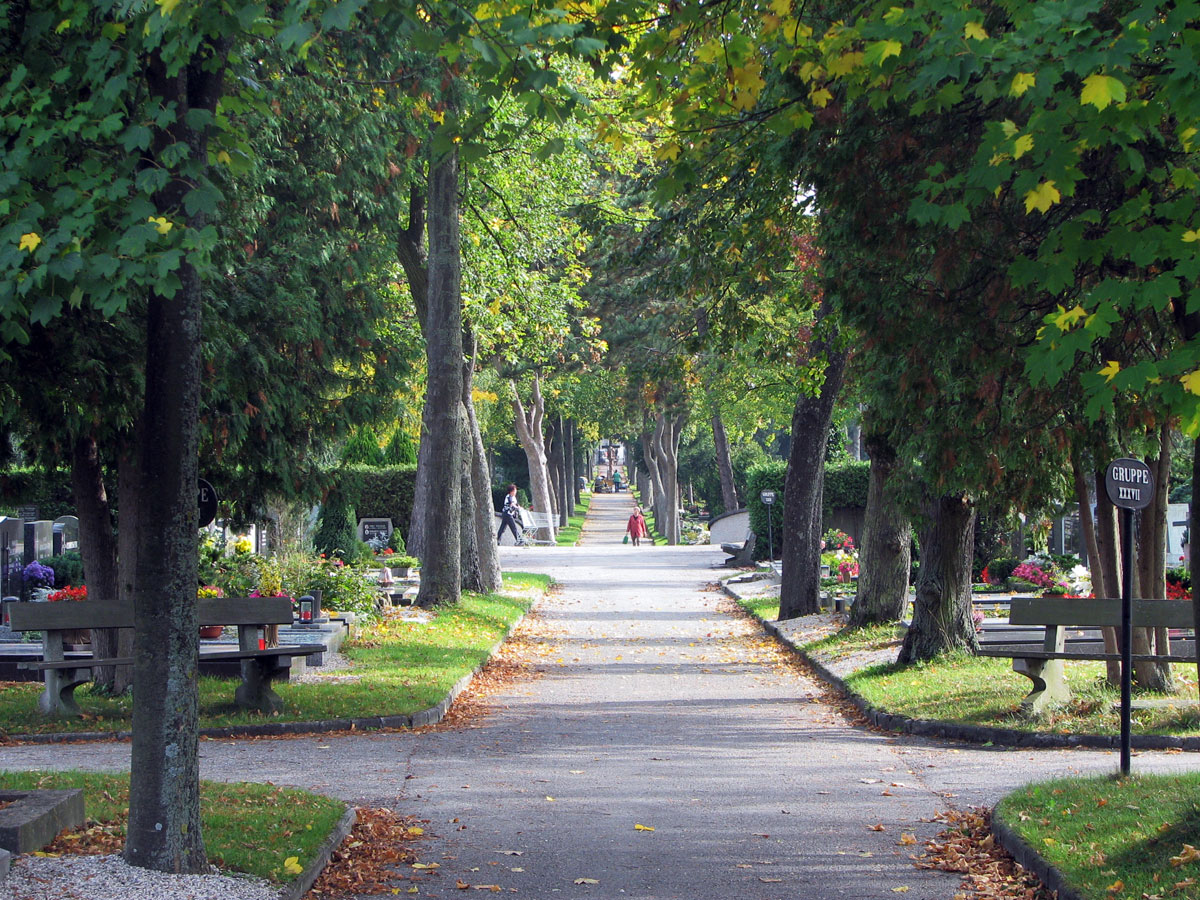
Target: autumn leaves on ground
column 386, row 853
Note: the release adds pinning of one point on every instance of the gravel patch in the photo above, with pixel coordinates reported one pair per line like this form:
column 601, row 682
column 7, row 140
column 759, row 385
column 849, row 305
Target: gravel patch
column 110, row 877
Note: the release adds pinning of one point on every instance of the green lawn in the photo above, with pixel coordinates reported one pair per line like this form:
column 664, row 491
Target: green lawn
column 1114, row 838
column 398, row 668
column 569, row 536
column 251, row 828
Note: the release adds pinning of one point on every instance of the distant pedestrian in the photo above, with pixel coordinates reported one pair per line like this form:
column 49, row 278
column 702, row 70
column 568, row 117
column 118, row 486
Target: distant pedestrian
column 617, row 481
column 636, row 528
column 509, row 516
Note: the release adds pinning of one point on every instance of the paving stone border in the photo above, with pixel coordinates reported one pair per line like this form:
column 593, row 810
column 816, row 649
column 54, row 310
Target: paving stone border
column 31, row 819
column 299, row 887
column 1022, row 852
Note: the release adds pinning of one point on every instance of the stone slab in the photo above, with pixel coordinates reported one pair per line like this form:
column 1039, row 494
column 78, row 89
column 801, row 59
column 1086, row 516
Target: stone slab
column 31, row 819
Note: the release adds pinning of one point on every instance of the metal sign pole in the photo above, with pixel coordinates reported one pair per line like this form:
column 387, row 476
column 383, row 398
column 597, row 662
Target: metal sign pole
column 1126, row 635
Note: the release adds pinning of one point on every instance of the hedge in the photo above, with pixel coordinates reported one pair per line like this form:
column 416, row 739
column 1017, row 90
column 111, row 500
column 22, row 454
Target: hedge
column 846, row 484
column 381, row 492
column 50, row 492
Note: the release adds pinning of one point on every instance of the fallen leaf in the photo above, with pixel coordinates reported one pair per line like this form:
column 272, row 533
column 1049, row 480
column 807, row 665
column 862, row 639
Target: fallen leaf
column 586, row 881
column 494, row 888
column 426, row 865
column 462, row 885
column 906, row 839
column 550, row 799
column 643, row 828
column 1116, row 887
column 903, row 889
column 511, row 852
column 1189, row 854
column 878, row 826
column 766, row 880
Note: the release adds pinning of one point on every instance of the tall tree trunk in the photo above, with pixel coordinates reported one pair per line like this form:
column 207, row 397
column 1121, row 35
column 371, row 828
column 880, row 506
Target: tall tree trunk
column 886, row 544
column 1152, row 552
column 799, row 591
column 411, row 247
column 729, row 497
column 163, row 831
column 470, row 569
column 479, row 499
column 572, row 468
column 1091, row 537
column 529, row 432
column 442, row 420
column 552, row 465
column 563, row 492
column 942, row 610
column 98, row 546
column 1108, row 545
column 129, row 490
column 664, row 462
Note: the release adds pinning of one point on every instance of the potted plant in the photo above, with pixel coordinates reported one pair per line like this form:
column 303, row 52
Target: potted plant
column 72, row 636
column 403, row 566
column 208, row 591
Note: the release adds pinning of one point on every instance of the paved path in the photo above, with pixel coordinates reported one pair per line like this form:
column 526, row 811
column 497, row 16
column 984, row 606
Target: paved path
column 663, row 712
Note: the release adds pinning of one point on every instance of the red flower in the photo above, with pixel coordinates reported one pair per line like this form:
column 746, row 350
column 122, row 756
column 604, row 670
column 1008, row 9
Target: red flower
column 68, row 593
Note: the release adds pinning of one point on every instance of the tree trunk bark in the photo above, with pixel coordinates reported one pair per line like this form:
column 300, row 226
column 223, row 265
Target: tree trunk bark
column 442, row 421
column 1108, row 547
column 729, row 497
column 411, row 248
column 529, row 432
column 553, row 466
column 572, row 468
column 563, row 492
column 800, row 588
column 163, row 831
column 129, row 490
column 664, row 462
column 1154, row 676
column 488, row 575
column 886, row 546
column 98, row 547
column 942, row 611
column 470, row 568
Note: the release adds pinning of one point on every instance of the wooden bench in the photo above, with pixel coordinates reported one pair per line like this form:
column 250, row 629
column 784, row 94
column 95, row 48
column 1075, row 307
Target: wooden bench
column 740, row 554
column 534, row 523
column 62, row 675
column 1043, row 663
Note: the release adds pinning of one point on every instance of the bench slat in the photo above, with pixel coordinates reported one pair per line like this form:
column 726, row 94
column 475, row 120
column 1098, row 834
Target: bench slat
column 1181, row 652
column 87, row 662
column 88, row 614
column 1098, row 612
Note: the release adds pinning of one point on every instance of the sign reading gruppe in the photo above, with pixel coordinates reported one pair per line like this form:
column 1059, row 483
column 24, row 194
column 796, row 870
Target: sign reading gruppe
column 1129, row 483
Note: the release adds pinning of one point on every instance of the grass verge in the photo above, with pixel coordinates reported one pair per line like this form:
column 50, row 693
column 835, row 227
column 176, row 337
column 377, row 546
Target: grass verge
column 398, row 667
column 250, row 828
column 1114, row 838
column 979, row 690
column 569, row 536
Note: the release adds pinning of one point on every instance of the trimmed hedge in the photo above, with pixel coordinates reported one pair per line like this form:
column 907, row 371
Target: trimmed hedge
column 50, row 492
column 846, row 484
column 382, row 492
column 766, row 476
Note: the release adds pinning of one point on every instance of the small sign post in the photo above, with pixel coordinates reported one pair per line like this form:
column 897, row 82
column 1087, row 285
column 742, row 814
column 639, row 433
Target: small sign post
column 1129, row 484
column 206, row 499
column 768, row 499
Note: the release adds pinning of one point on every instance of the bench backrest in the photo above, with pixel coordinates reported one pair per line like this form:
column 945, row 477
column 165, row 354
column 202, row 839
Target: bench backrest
column 1098, row 611
column 89, row 614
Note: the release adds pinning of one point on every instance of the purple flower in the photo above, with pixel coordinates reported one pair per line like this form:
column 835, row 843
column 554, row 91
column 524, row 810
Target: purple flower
column 37, row 575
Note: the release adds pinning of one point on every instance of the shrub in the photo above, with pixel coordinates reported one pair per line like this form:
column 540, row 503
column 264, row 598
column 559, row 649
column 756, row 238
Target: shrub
column 68, row 569
column 766, row 476
column 999, row 570
column 400, row 450
column 381, row 492
column 846, row 484
column 336, row 533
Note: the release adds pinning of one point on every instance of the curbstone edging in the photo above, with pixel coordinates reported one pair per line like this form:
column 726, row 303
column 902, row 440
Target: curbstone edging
column 1023, row 853
column 972, row 734
column 298, row 888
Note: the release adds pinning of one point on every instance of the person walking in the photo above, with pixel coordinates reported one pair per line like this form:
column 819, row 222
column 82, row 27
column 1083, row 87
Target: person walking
column 509, row 516
column 636, row 528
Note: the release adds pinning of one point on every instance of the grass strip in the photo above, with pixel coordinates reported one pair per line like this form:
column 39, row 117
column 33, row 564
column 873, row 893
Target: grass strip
column 1111, row 837
column 978, row 690
column 250, row 828
column 568, row 536
column 398, row 667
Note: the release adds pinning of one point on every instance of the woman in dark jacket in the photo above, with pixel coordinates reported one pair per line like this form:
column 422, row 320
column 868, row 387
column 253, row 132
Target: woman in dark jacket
column 508, row 516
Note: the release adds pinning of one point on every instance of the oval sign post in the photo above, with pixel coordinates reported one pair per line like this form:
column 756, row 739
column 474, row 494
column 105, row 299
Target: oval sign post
column 207, row 500
column 1129, row 484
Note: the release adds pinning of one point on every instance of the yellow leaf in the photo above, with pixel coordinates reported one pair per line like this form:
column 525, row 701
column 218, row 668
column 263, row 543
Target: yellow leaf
column 412, row 890
column 1009, row 127
column 1191, row 384
column 1042, row 197
column 781, row 7
column 820, row 98
column 903, row 889
column 667, row 151
column 1022, row 82
column 415, row 830
column 1185, row 138
column 710, row 52
column 1109, row 372
column 642, row 828
column 586, row 881
column 1189, row 854
column 161, row 224
column 167, row 6
column 29, row 241
column 1190, row 237
column 1116, row 886
column 1067, row 318
column 881, row 50
column 439, row 116
column 292, row 866
column 975, row 31
column 845, row 64
column 1049, row 842
column 223, row 157
column 426, row 865
column 906, row 839
column 1022, row 145
column 1102, row 90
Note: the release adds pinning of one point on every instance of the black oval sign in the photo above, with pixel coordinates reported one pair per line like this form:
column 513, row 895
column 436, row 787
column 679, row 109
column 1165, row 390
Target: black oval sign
column 1129, row 483
column 208, row 503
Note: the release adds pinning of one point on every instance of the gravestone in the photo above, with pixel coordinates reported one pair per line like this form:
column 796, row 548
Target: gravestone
column 12, row 536
column 375, row 530
column 66, row 531
column 39, row 540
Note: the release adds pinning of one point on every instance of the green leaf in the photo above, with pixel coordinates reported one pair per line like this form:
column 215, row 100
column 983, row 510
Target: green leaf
column 879, row 51
column 45, row 309
column 341, row 15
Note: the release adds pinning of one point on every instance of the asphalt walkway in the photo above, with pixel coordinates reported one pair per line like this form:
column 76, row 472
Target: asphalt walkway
column 658, row 710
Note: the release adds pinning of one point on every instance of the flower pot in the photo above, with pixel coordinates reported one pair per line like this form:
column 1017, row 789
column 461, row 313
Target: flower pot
column 211, row 632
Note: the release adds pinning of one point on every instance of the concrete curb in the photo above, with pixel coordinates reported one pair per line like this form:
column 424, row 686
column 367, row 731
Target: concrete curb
column 1031, row 860
column 298, row 888
column 974, row 734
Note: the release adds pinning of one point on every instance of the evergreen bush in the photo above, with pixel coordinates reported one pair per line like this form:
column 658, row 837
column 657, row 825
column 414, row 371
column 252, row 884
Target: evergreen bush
column 337, row 531
column 68, row 569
